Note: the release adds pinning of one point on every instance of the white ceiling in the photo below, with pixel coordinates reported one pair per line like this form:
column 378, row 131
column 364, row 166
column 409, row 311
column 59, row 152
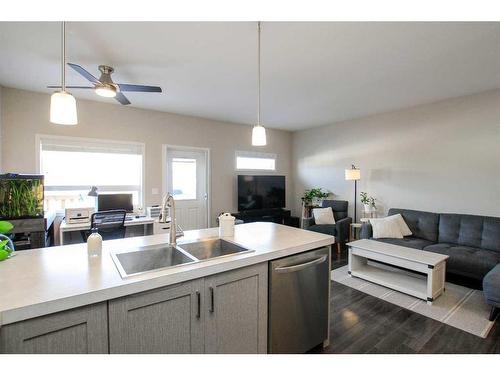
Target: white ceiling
column 313, row 73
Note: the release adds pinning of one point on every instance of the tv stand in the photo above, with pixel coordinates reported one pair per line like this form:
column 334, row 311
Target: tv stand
column 274, row 215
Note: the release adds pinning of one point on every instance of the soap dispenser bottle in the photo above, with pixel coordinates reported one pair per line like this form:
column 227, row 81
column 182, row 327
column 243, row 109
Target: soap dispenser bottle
column 94, row 244
column 226, row 225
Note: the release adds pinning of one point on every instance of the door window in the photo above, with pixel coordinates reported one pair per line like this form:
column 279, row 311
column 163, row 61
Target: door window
column 184, row 178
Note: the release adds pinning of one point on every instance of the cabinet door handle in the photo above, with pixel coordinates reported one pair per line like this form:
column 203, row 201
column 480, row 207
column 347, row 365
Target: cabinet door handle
column 198, row 300
column 212, row 302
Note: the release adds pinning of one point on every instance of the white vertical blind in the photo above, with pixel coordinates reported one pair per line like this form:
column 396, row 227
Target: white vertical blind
column 72, row 165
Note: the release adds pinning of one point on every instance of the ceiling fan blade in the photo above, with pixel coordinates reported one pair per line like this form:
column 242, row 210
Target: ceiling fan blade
column 84, row 73
column 138, row 88
column 122, row 98
column 71, row 87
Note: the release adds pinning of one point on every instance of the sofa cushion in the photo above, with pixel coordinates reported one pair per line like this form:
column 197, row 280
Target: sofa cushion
column 470, row 230
column 339, row 208
column 491, row 286
column 330, row 229
column 413, row 242
column 386, row 227
column 323, row 215
column 491, row 233
column 405, row 230
column 467, row 261
column 422, row 224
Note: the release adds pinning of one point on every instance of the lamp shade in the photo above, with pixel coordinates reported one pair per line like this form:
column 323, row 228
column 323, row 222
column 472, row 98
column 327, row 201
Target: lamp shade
column 93, row 191
column 259, row 136
column 352, row 174
column 63, row 108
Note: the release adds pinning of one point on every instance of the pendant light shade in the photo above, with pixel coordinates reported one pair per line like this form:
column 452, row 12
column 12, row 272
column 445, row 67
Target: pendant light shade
column 63, row 108
column 62, row 103
column 259, row 136
column 258, row 132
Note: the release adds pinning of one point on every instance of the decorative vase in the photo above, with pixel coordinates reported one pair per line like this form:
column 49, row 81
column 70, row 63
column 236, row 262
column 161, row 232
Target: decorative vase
column 317, row 202
column 367, row 207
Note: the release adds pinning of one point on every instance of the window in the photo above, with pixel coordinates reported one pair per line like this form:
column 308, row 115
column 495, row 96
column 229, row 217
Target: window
column 184, row 178
column 246, row 160
column 72, row 165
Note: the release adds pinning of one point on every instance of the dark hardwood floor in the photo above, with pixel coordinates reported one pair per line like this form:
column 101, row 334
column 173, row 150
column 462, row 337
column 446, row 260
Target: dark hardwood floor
column 361, row 323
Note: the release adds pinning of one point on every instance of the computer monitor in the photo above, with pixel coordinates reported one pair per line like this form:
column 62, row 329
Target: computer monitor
column 106, row 202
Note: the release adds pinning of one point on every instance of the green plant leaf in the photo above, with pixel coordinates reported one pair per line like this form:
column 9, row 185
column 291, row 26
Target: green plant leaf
column 3, row 244
column 5, row 227
column 3, row 255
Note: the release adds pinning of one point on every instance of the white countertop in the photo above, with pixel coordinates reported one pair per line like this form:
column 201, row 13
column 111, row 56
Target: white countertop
column 44, row 281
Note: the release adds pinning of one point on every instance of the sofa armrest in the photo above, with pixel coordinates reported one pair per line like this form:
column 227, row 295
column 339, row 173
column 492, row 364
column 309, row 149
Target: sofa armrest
column 306, row 223
column 366, row 231
column 342, row 226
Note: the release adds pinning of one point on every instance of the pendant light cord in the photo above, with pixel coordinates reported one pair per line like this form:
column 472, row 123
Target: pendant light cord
column 63, row 56
column 258, row 74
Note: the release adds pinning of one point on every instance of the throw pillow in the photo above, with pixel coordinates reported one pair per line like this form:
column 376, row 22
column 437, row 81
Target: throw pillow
column 405, row 230
column 386, row 227
column 323, row 215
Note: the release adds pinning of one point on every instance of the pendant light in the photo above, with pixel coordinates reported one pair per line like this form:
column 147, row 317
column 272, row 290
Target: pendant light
column 62, row 103
column 258, row 131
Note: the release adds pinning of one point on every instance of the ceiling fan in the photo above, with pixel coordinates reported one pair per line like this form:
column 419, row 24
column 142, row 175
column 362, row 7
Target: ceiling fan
column 104, row 86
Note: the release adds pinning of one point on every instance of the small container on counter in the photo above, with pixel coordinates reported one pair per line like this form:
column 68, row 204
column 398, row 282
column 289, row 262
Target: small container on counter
column 226, row 225
column 94, row 244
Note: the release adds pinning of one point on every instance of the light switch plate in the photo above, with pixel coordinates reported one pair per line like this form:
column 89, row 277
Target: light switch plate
column 155, row 191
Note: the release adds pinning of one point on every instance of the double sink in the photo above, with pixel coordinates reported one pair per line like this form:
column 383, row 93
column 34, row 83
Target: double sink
column 159, row 257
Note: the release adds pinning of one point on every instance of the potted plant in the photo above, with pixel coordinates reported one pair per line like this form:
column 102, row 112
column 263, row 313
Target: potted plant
column 6, row 245
column 313, row 198
column 368, row 202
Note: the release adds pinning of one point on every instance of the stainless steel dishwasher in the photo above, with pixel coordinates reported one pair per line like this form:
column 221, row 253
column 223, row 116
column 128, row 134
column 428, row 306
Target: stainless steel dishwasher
column 298, row 301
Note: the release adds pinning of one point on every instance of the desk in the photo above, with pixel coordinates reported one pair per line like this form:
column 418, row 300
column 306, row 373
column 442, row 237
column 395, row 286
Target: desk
column 145, row 222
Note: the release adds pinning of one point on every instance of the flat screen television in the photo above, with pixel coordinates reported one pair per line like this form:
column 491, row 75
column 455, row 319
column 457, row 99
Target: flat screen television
column 106, row 202
column 260, row 192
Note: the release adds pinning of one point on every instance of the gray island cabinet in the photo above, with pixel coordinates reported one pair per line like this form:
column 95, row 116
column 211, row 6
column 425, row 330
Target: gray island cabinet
column 222, row 313
column 78, row 331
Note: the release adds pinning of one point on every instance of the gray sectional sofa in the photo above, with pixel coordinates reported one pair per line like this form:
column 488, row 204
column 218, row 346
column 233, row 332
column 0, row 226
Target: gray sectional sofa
column 472, row 242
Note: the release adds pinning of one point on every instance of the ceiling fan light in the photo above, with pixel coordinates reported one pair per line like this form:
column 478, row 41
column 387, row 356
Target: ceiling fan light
column 105, row 91
column 259, row 136
column 63, row 108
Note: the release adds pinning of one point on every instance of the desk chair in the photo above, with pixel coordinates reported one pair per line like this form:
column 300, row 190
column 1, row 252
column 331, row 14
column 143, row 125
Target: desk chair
column 109, row 224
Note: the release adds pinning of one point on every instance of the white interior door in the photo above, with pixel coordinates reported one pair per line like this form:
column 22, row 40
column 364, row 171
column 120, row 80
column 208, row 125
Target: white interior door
column 187, row 181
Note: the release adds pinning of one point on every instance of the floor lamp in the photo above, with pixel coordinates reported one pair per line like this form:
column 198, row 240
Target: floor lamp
column 353, row 174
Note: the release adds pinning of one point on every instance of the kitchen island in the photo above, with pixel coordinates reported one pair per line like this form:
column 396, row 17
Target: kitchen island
column 60, row 300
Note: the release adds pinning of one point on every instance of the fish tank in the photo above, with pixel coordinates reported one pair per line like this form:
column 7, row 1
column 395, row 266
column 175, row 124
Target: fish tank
column 21, row 196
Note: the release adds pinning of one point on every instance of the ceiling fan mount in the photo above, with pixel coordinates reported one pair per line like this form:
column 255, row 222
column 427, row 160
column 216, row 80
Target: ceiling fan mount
column 105, row 69
column 104, row 86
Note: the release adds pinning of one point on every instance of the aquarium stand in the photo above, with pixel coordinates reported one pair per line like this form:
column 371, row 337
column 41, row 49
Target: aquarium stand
column 32, row 233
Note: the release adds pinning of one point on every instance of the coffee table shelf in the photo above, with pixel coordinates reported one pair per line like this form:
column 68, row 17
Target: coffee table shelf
column 401, row 282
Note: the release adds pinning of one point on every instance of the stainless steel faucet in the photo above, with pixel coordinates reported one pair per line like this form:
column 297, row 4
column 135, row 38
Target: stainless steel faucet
column 168, row 205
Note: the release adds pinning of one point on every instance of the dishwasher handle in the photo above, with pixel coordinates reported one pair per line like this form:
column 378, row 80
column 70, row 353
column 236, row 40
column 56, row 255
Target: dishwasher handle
column 301, row 266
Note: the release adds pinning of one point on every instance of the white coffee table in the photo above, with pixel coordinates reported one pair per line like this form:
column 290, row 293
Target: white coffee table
column 431, row 266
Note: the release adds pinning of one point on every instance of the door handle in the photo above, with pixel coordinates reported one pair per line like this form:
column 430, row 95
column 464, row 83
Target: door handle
column 212, row 302
column 198, row 299
column 301, row 266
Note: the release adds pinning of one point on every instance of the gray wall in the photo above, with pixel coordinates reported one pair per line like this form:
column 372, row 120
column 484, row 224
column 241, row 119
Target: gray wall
column 24, row 114
column 442, row 157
